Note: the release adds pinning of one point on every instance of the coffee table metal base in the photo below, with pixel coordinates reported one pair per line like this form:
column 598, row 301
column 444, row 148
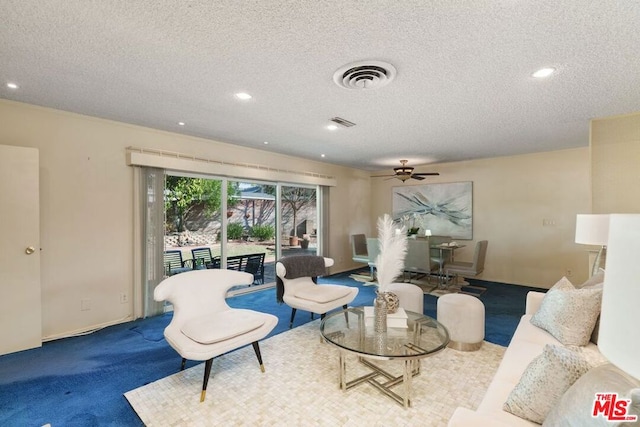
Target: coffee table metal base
column 411, row 369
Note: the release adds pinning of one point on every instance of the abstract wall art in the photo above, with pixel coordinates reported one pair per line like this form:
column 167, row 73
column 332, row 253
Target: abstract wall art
column 446, row 208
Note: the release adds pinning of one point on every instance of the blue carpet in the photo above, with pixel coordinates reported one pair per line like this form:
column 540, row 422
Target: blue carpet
column 80, row 381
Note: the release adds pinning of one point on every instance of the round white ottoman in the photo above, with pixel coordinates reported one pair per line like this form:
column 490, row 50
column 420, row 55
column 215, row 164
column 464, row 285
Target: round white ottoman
column 463, row 316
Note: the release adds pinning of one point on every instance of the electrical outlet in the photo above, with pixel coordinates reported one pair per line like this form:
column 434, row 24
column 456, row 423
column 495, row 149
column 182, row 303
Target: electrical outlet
column 85, row 304
column 569, row 272
column 124, row 298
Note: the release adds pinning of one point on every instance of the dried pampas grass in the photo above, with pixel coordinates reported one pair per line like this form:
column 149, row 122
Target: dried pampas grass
column 393, row 249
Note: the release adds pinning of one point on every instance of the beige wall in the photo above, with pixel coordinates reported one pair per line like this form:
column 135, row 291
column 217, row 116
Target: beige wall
column 87, row 206
column 511, row 198
column 615, row 157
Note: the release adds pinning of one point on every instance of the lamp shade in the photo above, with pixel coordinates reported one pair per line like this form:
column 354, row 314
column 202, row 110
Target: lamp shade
column 592, row 229
column 619, row 335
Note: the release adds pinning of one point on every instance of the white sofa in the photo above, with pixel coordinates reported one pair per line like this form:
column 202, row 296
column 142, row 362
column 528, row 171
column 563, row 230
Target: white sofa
column 527, row 343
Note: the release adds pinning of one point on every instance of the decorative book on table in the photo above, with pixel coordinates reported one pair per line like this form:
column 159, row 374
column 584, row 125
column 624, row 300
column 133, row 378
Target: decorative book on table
column 394, row 320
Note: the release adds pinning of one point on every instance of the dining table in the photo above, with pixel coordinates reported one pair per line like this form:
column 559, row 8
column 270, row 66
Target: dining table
column 442, row 248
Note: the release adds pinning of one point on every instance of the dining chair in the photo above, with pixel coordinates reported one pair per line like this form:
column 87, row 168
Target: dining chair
column 373, row 249
column 418, row 260
column 474, row 268
column 203, row 326
column 359, row 248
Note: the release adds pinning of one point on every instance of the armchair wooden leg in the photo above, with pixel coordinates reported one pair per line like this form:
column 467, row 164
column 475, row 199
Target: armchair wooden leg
column 256, row 348
column 207, row 372
column 184, row 361
column 293, row 314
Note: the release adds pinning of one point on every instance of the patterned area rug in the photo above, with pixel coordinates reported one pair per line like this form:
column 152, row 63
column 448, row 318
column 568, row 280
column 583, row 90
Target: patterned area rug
column 300, row 387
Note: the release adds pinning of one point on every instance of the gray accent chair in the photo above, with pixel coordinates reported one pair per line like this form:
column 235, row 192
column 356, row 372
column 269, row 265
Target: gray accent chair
column 469, row 269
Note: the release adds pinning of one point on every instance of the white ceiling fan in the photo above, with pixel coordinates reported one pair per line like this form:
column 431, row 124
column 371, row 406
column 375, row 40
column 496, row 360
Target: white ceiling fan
column 405, row 172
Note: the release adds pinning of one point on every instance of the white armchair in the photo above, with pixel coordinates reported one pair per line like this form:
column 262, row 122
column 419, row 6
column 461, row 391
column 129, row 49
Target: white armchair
column 301, row 292
column 203, row 325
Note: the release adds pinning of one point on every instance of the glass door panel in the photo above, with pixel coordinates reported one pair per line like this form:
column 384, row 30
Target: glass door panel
column 193, row 221
column 251, row 230
column 299, row 220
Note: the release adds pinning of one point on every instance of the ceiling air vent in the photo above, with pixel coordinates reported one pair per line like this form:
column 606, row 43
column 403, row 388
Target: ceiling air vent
column 365, row 75
column 342, row 122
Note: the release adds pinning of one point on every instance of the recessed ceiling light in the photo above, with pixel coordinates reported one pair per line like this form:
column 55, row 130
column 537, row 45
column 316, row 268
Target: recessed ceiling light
column 332, row 127
column 543, row 72
column 242, row 95
column 266, row 143
column 322, row 155
column 12, row 85
column 181, row 123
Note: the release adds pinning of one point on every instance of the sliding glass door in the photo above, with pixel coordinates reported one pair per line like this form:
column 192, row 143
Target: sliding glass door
column 225, row 223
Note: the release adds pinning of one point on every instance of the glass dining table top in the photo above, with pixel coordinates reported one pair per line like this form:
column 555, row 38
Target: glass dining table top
column 352, row 331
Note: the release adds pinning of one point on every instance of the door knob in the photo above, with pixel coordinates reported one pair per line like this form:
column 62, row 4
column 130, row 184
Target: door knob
column 29, row 250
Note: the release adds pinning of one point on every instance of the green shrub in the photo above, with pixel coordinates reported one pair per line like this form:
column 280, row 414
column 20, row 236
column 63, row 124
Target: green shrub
column 234, row 231
column 263, row 232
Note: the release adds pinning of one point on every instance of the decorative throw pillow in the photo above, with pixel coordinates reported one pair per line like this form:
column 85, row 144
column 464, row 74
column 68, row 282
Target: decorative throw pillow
column 569, row 314
column 596, row 279
column 591, row 284
column 575, row 408
column 544, row 382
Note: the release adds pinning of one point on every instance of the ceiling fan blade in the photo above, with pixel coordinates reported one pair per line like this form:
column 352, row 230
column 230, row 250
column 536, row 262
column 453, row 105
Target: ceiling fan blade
column 418, row 177
column 427, row 174
column 382, row 176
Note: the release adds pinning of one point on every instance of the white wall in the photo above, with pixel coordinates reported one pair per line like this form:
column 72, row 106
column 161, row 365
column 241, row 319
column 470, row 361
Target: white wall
column 511, row 198
column 87, row 206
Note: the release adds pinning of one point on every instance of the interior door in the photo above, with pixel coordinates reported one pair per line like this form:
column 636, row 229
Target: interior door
column 21, row 314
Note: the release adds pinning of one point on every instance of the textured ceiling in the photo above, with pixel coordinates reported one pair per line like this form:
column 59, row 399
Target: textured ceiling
column 463, row 88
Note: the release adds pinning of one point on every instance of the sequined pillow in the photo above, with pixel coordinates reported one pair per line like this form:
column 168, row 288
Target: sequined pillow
column 544, row 382
column 569, row 314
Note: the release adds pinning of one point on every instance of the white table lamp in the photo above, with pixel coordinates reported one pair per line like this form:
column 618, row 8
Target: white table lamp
column 619, row 335
column 594, row 230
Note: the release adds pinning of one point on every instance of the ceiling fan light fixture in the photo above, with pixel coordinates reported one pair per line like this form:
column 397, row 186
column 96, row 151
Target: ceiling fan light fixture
column 404, row 173
column 404, row 170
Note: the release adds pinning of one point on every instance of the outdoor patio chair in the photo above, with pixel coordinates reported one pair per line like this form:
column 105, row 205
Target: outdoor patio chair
column 202, row 258
column 174, row 264
column 255, row 266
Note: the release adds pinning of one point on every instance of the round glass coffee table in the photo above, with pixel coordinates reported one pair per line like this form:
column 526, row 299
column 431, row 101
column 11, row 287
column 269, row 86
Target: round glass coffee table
column 352, row 332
